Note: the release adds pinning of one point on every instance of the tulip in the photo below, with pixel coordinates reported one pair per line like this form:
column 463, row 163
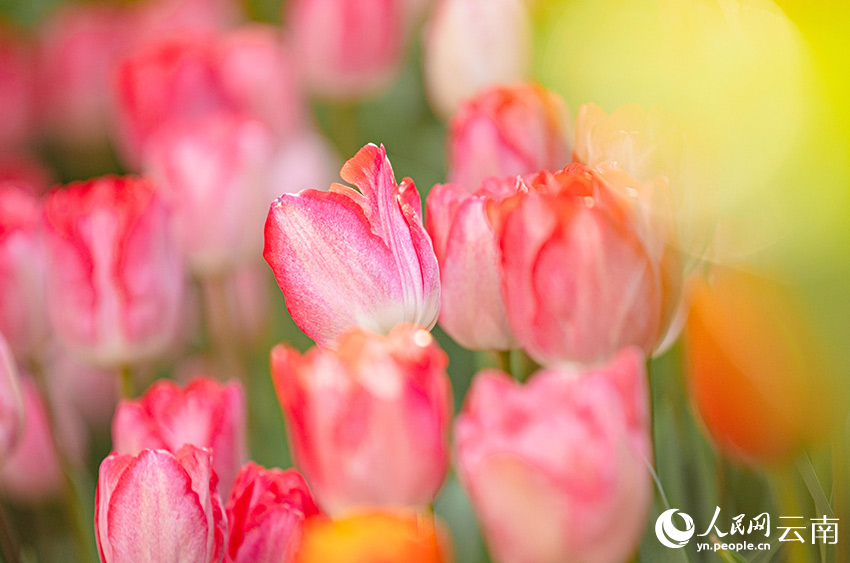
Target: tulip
column 159, row 506
column 11, row 403
column 585, row 273
column 205, row 414
column 472, row 311
column 473, row 44
column 213, row 175
column 265, row 514
column 756, row 371
column 354, row 257
column 25, row 170
column 325, row 33
column 115, row 283
column 91, row 392
column 556, row 469
column 16, row 89
column 368, row 423
column 33, row 473
column 508, row 131
column 23, row 264
column 373, row 536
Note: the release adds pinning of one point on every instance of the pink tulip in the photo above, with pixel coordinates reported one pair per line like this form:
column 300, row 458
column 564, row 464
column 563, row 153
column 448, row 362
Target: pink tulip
column 556, row 469
column 507, row 131
column 348, row 48
column 11, row 402
column 33, row 473
column 585, row 272
column 157, row 18
column 213, row 174
column 206, row 414
column 24, row 169
column 473, row 309
column 368, row 423
column 474, row 44
column 17, row 89
column 265, row 514
column 159, row 506
column 23, row 264
column 354, row 257
column 116, row 283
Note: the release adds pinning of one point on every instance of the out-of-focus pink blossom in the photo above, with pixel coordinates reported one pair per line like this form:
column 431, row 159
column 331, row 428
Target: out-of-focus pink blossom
column 305, row 161
column 23, row 264
column 11, row 402
column 585, row 270
column 116, row 281
column 474, row 44
column 91, row 392
column 265, row 514
column 348, row 48
column 17, row 89
column 26, row 171
column 473, row 309
column 506, row 131
column 354, row 257
column 205, row 413
column 368, row 423
column 33, row 472
column 213, row 173
column 557, row 469
column 159, row 506
column 153, row 19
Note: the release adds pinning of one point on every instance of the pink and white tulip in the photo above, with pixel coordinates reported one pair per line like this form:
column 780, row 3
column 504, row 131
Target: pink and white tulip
column 474, row 44
column 23, row 265
column 508, row 131
column 368, row 423
column 205, row 414
column 473, row 309
column 11, row 403
column 557, row 469
column 116, row 281
column 348, row 48
column 159, row 506
column 265, row 515
column 354, row 257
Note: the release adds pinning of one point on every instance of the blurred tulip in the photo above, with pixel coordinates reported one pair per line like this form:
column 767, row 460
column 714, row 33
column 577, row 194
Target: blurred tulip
column 212, row 174
column 23, row 264
column 377, row 266
column 33, row 472
column 249, row 291
column 473, row 44
column 305, row 161
column 11, row 403
column 205, row 413
column 91, row 392
column 508, row 131
column 154, row 19
column 25, row 170
column 265, row 515
column 756, row 372
column 373, row 537
column 556, row 469
column 325, row 33
column 17, row 87
column 115, row 283
column 585, row 273
column 159, row 506
column 473, row 309
column 368, row 424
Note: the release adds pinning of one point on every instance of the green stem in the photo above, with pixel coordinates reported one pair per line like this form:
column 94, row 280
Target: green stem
column 127, row 387
column 221, row 327
column 785, row 488
column 504, row 358
column 8, row 543
column 345, row 130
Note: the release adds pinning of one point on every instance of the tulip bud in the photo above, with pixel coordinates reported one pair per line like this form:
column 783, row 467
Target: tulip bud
column 23, row 264
column 368, row 423
column 325, row 33
column 374, row 536
column 265, row 515
column 11, row 403
column 473, row 44
column 205, row 414
column 159, row 506
column 472, row 311
column 116, row 282
column 585, row 272
column 508, row 131
column 213, row 175
column 756, row 371
column 354, row 257
column 556, row 469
